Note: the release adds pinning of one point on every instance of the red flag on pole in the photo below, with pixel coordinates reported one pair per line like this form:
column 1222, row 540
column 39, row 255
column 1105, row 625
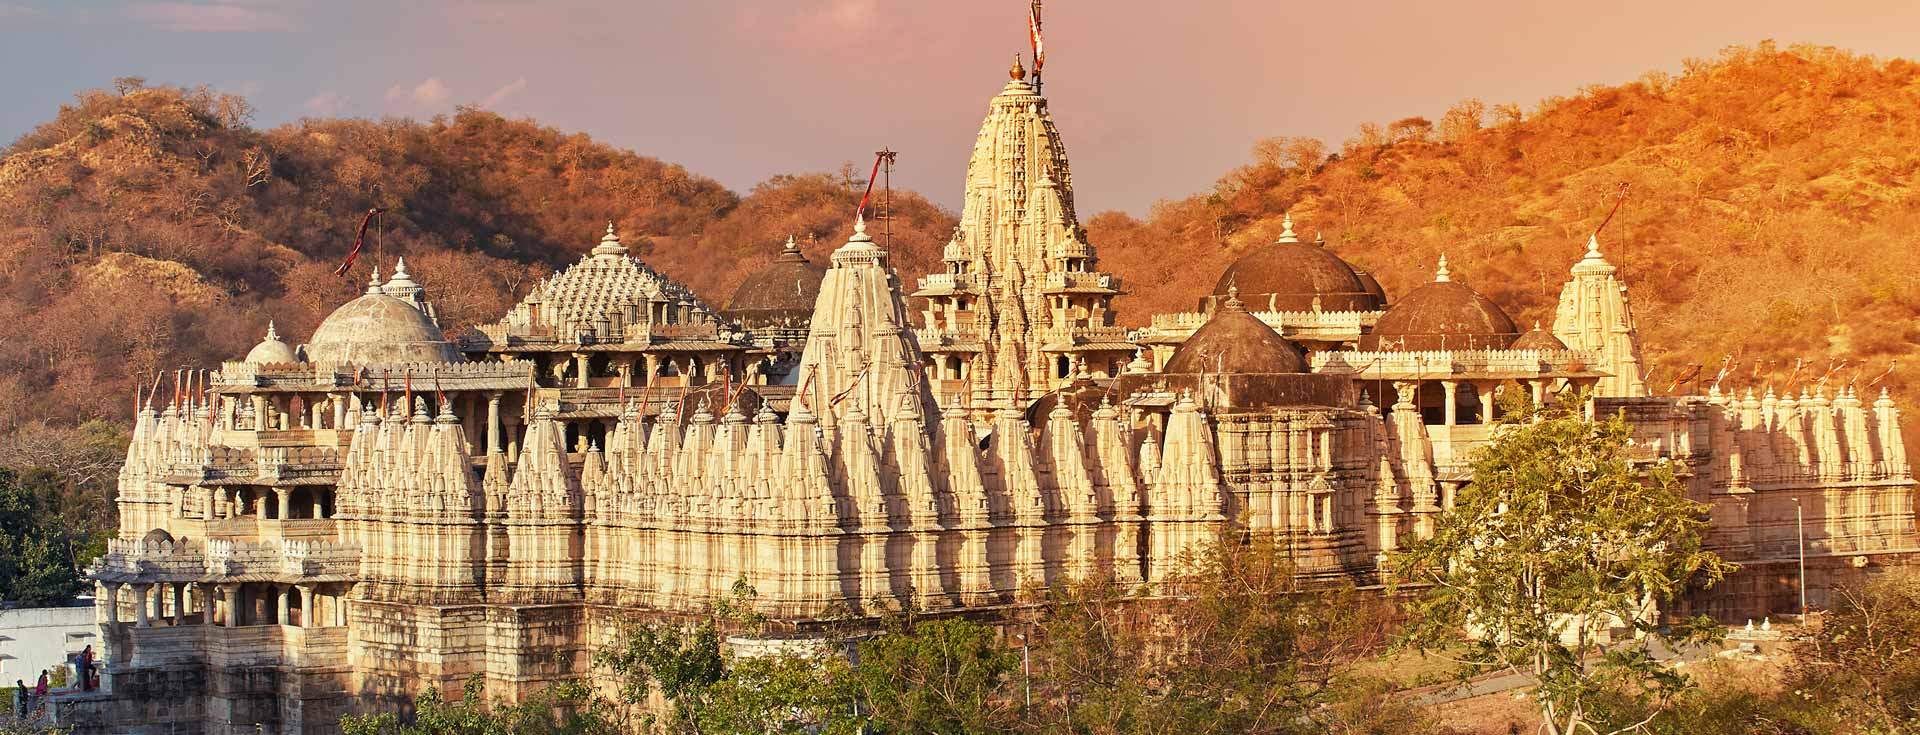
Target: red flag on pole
column 359, row 241
column 1033, row 36
column 861, row 213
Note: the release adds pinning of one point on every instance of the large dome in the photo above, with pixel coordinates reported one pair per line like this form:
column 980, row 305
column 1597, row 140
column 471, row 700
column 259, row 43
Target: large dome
column 1234, row 341
column 782, row 293
column 379, row 329
column 1442, row 315
column 1290, row 275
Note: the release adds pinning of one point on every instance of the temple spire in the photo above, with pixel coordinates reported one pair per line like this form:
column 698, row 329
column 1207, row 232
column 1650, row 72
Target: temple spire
column 1442, row 275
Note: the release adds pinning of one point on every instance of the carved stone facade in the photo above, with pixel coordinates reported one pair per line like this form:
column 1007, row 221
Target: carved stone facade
column 304, row 536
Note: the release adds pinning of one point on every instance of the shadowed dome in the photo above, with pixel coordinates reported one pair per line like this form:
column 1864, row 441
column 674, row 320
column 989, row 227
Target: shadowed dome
column 1235, row 341
column 1538, row 339
column 379, row 329
column 1442, row 315
column 1289, row 275
column 271, row 351
column 781, row 293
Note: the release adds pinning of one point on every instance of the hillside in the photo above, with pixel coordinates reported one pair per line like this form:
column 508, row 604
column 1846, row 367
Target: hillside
column 1773, row 216
column 1774, row 210
column 144, row 229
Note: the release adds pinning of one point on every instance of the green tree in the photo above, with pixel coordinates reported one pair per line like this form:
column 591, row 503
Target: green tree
column 1232, row 642
column 39, row 556
column 1560, row 540
column 938, row 676
column 710, row 690
column 568, row 708
column 1861, row 658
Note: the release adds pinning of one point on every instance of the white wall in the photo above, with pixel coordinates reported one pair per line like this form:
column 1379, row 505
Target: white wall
column 38, row 638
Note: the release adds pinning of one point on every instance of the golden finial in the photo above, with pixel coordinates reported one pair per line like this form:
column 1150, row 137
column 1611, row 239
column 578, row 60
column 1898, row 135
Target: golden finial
column 1018, row 72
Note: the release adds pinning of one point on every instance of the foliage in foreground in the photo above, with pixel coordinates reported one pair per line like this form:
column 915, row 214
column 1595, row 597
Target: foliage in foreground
column 1560, row 544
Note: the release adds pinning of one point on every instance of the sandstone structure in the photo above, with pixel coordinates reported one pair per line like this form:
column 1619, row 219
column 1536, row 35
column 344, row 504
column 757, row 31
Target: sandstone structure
column 334, row 526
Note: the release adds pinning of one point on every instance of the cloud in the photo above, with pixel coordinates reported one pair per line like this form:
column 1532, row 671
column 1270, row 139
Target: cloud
column 431, row 94
column 220, row 16
column 812, row 24
column 328, row 103
column 500, row 95
column 10, row 12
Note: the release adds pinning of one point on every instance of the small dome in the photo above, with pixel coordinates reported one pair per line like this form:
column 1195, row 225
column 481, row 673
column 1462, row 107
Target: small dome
column 1235, row 341
column 377, row 328
column 781, row 293
column 1442, row 315
column 1538, row 339
column 271, row 351
column 1291, row 275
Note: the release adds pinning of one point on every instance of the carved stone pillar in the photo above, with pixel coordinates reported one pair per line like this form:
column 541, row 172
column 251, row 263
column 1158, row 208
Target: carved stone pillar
column 142, row 596
column 282, row 594
column 306, row 606
column 282, row 503
column 261, row 419
column 204, row 593
column 1452, row 391
column 580, row 363
column 179, row 603
column 113, row 603
column 232, row 593
column 493, row 423
column 653, row 367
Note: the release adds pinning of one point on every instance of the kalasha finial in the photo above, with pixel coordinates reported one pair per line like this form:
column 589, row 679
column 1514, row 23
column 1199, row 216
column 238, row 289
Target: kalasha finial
column 1442, row 275
column 271, row 333
column 1287, row 234
column 1018, row 72
column 1593, row 246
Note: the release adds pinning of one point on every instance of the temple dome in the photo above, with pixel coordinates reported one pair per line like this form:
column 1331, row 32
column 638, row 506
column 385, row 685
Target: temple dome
column 379, row 329
column 781, row 293
column 1235, row 341
column 271, row 351
column 1290, row 275
column 1538, row 339
column 1442, row 315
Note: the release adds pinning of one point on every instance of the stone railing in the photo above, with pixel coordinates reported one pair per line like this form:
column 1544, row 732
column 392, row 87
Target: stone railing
column 1061, row 280
column 944, row 337
column 947, row 282
column 1344, row 320
column 287, row 558
column 1388, row 365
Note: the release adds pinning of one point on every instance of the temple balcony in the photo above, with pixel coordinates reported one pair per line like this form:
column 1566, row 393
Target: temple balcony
column 1498, row 364
column 1079, row 282
column 287, row 559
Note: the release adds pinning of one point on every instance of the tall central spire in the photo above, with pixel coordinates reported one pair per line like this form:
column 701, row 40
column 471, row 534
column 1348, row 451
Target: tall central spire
column 1020, row 310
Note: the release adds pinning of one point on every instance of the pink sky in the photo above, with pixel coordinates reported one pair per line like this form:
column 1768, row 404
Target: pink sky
column 1156, row 98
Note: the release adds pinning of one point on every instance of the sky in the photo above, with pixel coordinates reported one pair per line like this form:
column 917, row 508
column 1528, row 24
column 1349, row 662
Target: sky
column 1156, row 99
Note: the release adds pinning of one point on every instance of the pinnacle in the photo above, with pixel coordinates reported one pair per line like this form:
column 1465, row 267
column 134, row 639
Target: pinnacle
column 1287, row 235
column 1442, row 275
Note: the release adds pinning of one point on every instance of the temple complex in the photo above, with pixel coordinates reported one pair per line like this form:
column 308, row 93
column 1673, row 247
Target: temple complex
column 333, row 526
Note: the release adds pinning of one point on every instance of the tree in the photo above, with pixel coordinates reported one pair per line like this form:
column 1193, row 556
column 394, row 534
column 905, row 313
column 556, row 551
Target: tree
column 1862, row 657
column 710, row 690
column 1233, row 642
column 938, row 676
column 568, row 708
column 39, row 555
column 1560, row 540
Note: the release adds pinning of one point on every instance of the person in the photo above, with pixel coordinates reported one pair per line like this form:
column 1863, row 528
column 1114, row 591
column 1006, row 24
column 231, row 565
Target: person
column 40, row 689
column 21, row 702
column 86, row 669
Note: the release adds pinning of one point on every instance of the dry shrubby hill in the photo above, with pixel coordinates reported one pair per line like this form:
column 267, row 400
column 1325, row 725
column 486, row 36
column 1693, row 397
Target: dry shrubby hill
column 1774, row 210
column 1773, row 216
column 150, row 228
